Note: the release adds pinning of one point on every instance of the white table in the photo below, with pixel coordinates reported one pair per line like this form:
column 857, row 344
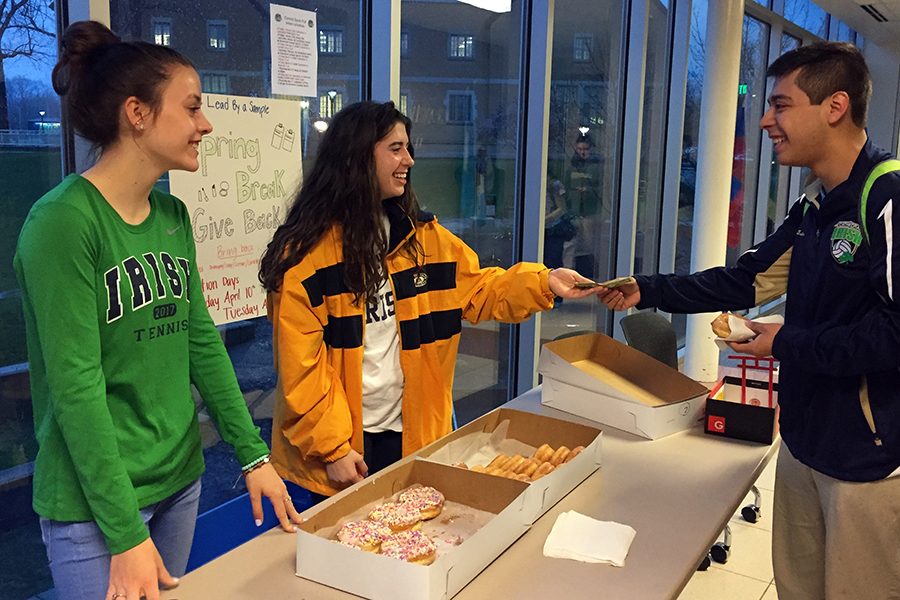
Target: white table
column 677, row 492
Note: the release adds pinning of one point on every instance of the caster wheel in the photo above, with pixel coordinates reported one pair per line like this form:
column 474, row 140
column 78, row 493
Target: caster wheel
column 751, row 513
column 704, row 564
column 720, row 553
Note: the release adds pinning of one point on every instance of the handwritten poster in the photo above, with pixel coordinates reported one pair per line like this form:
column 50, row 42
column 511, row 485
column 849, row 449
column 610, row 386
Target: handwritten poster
column 293, row 39
column 249, row 171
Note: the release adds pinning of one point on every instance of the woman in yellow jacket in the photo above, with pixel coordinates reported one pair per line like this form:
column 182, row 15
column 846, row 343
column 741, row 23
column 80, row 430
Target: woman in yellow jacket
column 367, row 294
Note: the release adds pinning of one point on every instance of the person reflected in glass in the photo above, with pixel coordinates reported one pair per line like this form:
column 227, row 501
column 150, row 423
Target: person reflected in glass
column 118, row 331
column 584, row 188
column 367, row 294
column 560, row 225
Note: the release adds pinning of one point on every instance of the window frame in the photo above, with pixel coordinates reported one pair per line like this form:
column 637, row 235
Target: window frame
column 453, row 46
column 166, row 21
column 473, row 103
column 337, row 39
column 213, row 23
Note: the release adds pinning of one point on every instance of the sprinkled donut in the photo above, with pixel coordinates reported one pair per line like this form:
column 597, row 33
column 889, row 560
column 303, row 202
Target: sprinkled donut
column 365, row 535
column 426, row 499
column 411, row 546
column 399, row 517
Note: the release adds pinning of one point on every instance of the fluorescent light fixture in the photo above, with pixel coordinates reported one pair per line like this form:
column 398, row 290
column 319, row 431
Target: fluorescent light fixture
column 320, row 126
column 497, row 6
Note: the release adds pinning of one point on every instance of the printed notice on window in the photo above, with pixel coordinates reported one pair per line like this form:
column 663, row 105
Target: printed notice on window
column 249, row 172
column 294, row 50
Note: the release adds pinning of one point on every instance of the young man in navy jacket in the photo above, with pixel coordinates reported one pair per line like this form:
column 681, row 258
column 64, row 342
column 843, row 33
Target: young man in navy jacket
column 836, row 531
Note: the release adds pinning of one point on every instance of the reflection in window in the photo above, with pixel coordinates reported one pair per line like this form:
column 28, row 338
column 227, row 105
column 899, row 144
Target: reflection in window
column 404, row 103
column 582, row 154
column 841, row 32
column 330, row 103
column 747, row 138
column 460, row 107
column 808, row 16
column 30, row 164
column 466, row 113
column 215, row 83
column 331, row 41
column 217, row 35
column 462, row 46
column 583, row 45
column 162, row 31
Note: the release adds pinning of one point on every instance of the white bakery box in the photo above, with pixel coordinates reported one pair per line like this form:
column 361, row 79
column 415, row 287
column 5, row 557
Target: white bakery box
column 601, row 379
column 510, row 432
column 369, row 575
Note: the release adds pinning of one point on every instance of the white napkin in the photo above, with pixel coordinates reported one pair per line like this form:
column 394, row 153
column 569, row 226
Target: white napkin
column 579, row 537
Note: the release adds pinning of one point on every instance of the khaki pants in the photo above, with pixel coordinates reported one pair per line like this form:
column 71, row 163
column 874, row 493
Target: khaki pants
column 834, row 539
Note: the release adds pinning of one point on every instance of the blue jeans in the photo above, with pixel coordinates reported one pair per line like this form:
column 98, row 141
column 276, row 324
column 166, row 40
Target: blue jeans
column 79, row 560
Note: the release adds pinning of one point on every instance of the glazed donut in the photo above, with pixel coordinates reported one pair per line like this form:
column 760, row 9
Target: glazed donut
column 543, row 470
column 574, row 452
column 364, row 535
column 411, row 546
column 543, row 453
column 399, row 517
column 493, row 471
column 426, row 499
column 499, row 461
column 559, row 456
column 478, row 469
column 521, row 477
column 515, row 463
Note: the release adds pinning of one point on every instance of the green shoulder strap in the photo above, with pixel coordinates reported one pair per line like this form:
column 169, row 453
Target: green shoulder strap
column 887, row 166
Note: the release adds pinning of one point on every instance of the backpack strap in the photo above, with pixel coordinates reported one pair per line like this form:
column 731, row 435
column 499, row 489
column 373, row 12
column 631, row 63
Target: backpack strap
column 887, row 166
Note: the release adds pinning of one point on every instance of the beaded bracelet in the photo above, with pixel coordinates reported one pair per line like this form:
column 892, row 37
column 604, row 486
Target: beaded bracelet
column 262, row 460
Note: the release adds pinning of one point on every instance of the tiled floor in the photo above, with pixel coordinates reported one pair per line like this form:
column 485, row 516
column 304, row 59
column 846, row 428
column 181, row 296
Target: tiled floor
column 748, row 573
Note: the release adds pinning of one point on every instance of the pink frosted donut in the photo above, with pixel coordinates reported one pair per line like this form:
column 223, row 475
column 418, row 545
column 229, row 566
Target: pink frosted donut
column 428, row 500
column 399, row 517
column 411, row 546
column 365, row 535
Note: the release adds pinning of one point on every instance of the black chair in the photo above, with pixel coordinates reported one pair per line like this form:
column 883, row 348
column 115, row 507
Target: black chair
column 652, row 334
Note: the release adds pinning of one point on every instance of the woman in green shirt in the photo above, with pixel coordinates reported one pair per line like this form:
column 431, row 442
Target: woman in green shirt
column 118, row 330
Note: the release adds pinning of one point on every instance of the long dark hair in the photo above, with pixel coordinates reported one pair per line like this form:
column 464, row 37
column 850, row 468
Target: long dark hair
column 342, row 188
column 97, row 72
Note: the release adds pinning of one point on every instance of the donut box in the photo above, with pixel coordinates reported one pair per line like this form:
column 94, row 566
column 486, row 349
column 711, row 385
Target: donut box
column 512, row 432
column 598, row 378
column 485, row 515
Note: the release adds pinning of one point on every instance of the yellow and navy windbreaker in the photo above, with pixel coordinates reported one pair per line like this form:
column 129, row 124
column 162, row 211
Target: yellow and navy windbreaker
column 319, row 332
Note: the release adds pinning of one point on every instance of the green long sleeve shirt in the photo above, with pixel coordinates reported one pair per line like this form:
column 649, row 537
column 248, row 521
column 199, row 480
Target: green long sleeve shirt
column 117, row 329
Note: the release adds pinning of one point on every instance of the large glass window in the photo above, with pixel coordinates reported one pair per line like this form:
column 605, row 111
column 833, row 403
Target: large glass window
column 690, row 144
column 653, row 141
column 465, row 131
column 745, row 166
column 807, row 15
column 585, row 117
column 30, row 164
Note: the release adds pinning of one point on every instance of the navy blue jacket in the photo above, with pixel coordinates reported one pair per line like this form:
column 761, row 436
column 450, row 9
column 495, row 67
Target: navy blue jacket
column 839, row 348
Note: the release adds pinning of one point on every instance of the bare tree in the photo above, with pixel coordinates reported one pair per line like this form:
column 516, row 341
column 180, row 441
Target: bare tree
column 25, row 26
